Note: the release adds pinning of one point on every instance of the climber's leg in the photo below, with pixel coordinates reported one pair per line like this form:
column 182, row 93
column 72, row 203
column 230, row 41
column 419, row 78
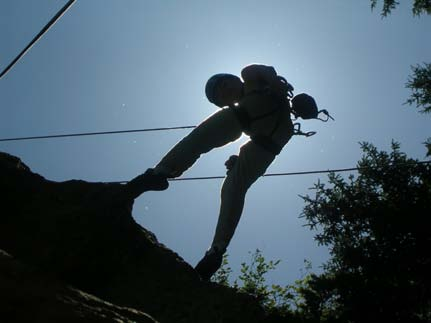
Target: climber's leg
column 218, row 130
column 252, row 163
column 148, row 181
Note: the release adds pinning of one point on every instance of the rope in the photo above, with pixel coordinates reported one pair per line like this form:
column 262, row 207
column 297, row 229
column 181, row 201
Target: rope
column 339, row 170
column 95, row 133
column 38, row 36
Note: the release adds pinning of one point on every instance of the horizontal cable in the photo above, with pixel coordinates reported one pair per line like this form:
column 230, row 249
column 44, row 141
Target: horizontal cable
column 339, row 170
column 95, row 133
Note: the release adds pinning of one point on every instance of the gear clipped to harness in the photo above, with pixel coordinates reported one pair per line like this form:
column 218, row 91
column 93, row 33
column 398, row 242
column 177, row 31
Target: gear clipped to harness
column 304, row 106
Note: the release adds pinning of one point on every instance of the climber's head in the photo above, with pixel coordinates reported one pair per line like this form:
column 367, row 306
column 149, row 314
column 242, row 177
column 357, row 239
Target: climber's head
column 224, row 89
column 304, row 106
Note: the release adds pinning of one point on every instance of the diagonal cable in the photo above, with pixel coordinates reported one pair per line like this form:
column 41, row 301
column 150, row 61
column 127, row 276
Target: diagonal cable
column 38, row 36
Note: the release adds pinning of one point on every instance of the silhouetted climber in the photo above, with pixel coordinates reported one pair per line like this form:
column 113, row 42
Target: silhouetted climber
column 259, row 106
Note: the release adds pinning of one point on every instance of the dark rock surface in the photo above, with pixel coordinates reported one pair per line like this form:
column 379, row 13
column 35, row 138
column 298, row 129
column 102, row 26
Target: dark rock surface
column 83, row 234
column 27, row 295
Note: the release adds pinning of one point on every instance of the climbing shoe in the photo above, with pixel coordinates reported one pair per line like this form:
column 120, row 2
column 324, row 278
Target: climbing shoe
column 148, row 181
column 210, row 263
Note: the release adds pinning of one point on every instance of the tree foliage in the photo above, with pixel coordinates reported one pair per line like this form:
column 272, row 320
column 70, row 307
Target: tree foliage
column 377, row 228
column 419, row 7
column 420, row 84
column 252, row 280
column 428, row 145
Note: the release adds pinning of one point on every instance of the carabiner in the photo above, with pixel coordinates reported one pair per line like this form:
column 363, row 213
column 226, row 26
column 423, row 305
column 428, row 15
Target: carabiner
column 326, row 113
column 297, row 131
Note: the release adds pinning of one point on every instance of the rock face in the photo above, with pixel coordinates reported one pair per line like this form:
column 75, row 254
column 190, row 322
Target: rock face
column 83, row 235
column 27, row 295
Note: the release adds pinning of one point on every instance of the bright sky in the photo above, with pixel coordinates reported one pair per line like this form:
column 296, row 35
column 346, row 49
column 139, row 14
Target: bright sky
column 115, row 65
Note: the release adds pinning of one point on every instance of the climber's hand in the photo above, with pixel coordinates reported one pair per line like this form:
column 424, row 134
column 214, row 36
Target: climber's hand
column 280, row 87
column 230, row 163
